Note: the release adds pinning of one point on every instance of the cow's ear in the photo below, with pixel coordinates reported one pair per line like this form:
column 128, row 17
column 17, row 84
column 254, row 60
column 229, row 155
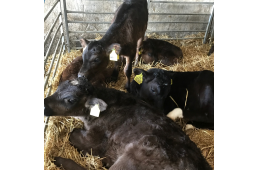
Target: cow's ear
column 84, row 42
column 93, row 101
column 138, row 71
column 114, row 46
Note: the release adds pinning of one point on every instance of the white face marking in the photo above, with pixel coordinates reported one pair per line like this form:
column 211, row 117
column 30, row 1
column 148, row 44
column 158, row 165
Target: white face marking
column 84, row 48
column 74, row 82
column 176, row 113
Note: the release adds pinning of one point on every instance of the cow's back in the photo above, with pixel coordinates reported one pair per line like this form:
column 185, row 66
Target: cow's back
column 130, row 23
column 138, row 133
column 164, row 51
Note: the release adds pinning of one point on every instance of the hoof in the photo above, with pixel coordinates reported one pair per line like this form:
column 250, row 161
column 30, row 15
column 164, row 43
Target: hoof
column 59, row 161
column 176, row 113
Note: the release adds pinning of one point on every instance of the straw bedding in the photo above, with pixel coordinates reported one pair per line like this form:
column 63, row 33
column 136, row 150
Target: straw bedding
column 57, row 133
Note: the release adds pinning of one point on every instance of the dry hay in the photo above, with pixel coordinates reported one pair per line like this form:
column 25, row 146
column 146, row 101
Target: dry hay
column 65, row 60
column 57, row 144
column 57, row 134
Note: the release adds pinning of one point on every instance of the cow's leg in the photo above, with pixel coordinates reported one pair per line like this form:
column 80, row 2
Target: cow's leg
column 94, row 139
column 115, row 73
column 139, row 43
column 67, row 164
column 128, row 71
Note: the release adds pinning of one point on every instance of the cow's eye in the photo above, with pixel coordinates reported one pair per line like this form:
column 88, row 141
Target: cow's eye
column 153, row 91
column 71, row 101
column 96, row 60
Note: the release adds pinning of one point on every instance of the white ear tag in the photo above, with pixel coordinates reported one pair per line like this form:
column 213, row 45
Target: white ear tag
column 114, row 56
column 95, row 111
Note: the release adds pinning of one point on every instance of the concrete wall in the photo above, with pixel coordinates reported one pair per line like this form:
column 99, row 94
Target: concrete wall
column 111, row 6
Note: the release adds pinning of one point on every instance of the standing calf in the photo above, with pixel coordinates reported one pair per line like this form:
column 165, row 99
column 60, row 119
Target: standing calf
column 158, row 50
column 193, row 92
column 129, row 133
column 125, row 36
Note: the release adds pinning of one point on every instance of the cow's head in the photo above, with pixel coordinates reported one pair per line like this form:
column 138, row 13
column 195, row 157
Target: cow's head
column 96, row 58
column 146, row 50
column 72, row 98
column 154, row 88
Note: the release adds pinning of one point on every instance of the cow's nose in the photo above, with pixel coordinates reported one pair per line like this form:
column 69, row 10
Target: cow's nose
column 81, row 75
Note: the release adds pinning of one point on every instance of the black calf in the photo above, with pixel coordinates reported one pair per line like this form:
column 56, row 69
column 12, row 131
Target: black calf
column 193, row 92
column 129, row 133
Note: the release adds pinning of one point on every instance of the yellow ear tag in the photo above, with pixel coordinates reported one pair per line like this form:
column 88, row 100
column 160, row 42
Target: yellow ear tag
column 114, row 56
column 139, row 78
column 171, row 82
column 140, row 52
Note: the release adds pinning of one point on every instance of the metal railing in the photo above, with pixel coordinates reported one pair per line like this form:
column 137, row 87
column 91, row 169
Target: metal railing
column 59, row 49
column 207, row 30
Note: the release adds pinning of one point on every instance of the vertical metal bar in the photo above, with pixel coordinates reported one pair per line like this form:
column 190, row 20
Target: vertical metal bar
column 212, row 34
column 50, row 10
column 66, row 24
column 51, row 29
column 208, row 26
column 51, row 44
column 47, row 117
column 52, row 62
column 148, row 5
column 60, row 21
column 55, row 69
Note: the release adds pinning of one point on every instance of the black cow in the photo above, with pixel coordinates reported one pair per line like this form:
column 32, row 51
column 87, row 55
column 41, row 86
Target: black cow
column 125, row 36
column 72, row 70
column 158, row 50
column 129, row 133
column 193, row 92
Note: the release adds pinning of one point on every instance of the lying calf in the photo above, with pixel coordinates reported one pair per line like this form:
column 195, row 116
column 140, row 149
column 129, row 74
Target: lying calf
column 72, row 70
column 193, row 92
column 129, row 133
column 158, row 50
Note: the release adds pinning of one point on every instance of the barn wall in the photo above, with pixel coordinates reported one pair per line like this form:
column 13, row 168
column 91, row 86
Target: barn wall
column 111, row 6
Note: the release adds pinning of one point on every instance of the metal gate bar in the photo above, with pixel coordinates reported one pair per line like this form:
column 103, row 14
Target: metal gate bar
column 50, row 10
column 181, row 2
column 57, row 64
column 66, row 25
column 146, row 31
column 153, row 13
column 62, row 48
column 150, row 22
column 208, row 26
column 52, row 62
column 51, row 29
column 51, row 44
